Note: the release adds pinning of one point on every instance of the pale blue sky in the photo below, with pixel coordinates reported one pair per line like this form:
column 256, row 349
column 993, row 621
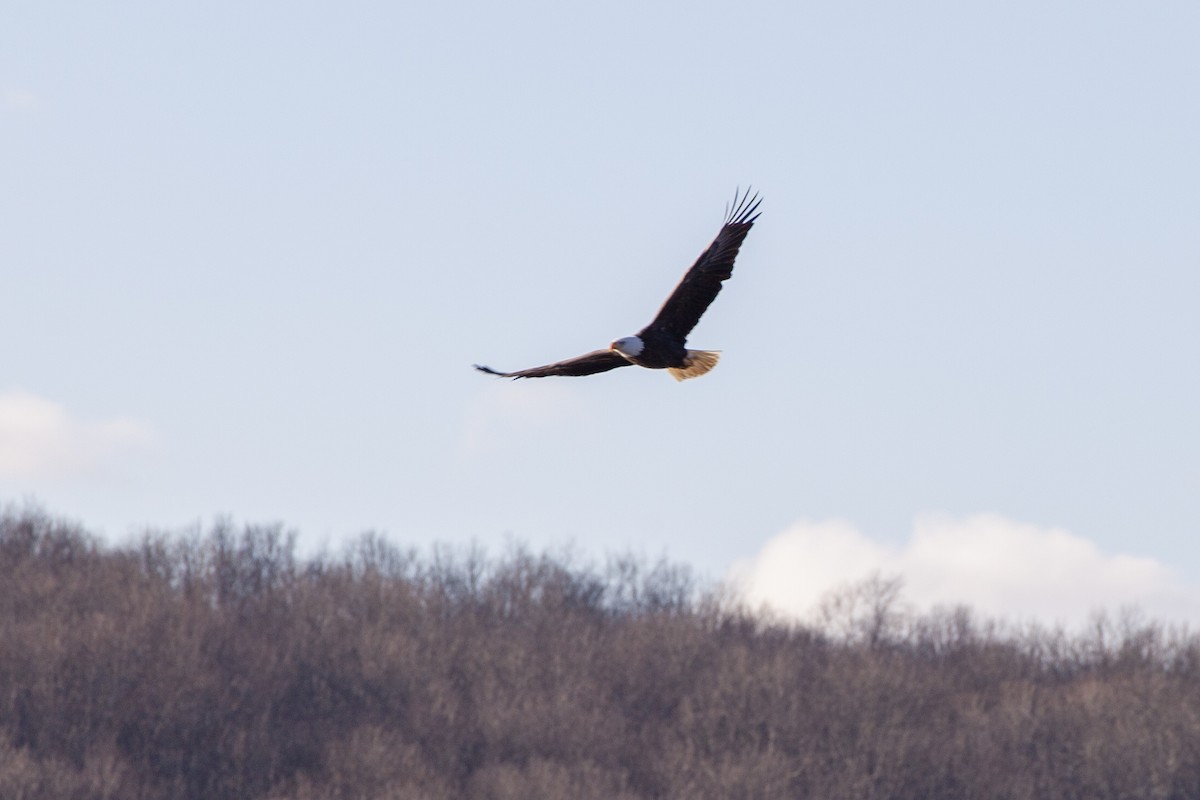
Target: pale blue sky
column 250, row 251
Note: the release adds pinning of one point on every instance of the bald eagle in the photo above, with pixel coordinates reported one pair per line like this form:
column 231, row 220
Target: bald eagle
column 660, row 345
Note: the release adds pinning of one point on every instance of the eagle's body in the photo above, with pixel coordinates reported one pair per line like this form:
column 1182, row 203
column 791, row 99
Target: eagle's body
column 661, row 344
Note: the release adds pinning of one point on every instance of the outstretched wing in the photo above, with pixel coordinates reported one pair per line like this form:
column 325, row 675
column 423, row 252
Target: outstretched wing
column 590, row 364
column 702, row 282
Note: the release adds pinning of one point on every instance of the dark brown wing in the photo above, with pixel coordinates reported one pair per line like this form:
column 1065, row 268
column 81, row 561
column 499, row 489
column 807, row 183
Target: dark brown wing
column 702, row 282
column 590, row 364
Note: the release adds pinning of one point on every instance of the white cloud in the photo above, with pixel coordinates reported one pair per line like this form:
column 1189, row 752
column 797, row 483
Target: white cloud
column 999, row 567
column 18, row 100
column 504, row 411
column 39, row 439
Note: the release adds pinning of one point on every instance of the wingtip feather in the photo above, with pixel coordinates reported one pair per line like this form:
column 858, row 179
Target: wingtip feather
column 743, row 208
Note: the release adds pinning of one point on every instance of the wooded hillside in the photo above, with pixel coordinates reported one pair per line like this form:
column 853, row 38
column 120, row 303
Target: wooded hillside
column 222, row 665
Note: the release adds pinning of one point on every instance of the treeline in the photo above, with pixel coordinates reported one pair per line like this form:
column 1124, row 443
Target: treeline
column 221, row 665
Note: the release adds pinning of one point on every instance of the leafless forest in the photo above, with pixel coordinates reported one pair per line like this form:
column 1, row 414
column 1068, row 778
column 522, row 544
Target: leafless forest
column 222, row 665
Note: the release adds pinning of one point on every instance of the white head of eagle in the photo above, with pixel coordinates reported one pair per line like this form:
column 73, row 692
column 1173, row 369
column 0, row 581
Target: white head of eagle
column 628, row 346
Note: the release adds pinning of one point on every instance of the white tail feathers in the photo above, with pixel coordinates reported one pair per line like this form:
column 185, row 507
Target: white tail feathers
column 698, row 362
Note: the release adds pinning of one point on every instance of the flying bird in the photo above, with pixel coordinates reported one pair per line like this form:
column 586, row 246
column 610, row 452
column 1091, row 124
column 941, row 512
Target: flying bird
column 660, row 345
